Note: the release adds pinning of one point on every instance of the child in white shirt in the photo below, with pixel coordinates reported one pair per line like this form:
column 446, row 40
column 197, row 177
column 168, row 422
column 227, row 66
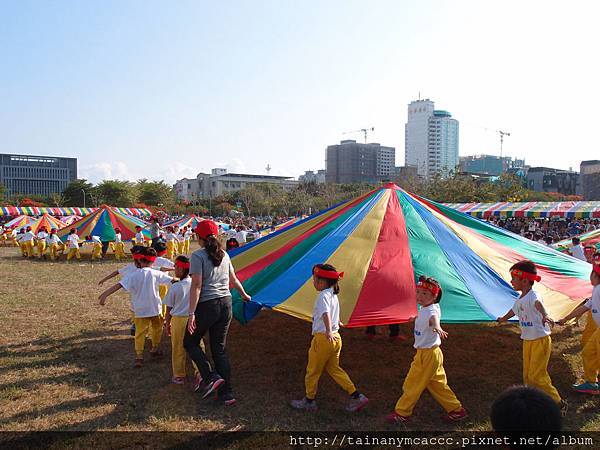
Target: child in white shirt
column 143, row 285
column 53, row 244
column 535, row 330
column 41, row 242
column 427, row 370
column 326, row 344
column 73, row 245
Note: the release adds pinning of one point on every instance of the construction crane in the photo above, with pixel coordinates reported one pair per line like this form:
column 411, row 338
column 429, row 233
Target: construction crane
column 362, row 130
column 268, row 169
column 502, row 134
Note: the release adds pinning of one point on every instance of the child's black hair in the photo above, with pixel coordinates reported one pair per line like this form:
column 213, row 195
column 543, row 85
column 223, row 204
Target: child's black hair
column 330, row 282
column 525, row 266
column 424, row 279
column 159, row 246
column 149, row 252
column 231, row 244
column 576, row 241
column 523, row 411
column 184, row 259
column 137, row 249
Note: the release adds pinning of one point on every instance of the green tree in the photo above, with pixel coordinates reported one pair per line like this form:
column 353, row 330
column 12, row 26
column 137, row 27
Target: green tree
column 74, row 193
column 155, row 193
column 116, row 193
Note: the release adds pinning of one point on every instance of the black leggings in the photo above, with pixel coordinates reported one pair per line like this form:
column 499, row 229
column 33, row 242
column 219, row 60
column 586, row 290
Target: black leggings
column 214, row 317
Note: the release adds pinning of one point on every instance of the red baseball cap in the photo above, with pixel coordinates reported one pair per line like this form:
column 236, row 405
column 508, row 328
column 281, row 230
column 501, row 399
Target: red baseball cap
column 205, row 228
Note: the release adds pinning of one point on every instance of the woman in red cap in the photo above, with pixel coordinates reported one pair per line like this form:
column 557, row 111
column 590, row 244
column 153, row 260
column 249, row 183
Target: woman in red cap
column 210, row 311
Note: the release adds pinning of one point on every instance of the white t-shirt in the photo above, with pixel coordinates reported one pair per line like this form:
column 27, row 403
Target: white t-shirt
column 96, row 240
column 231, row 233
column 126, row 270
column 42, row 235
column 178, row 298
column 240, row 236
column 170, row 237
column 425, row 337
column 142, row 285
column 593, row 304
column 577, row 252
column 117, row 238
column 188, row 235
column 530, row 319
column 27, row 236
column 73, row 241
column 327, row 301
column 52, row 239
column 161, row 262
column 139, row 237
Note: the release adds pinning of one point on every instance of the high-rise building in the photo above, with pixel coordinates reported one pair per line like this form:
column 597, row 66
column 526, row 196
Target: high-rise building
column 36, row 175
column 544, row 179
column 430, row 140
column 590, row 179
column 354, row 162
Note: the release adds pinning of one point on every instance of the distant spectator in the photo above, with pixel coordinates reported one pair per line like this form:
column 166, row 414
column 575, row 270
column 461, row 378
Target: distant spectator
column 577, row 249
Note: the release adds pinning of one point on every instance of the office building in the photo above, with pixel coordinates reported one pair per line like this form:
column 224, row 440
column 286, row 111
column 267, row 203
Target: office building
column 36, row 175
column 544, row 179
column 353, row 162
column 590, row 179
column 318, row 177
column 489, row 164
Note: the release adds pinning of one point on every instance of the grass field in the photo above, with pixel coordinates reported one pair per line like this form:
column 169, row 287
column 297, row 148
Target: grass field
column 65, row 364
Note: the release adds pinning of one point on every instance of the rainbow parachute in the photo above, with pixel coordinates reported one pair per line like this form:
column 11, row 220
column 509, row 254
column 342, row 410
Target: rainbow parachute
column 192, row 221
column 19, row 222
column 589, row 238
column 47, row 221
column 70, row 219
column 103, row 222
column 383, row 241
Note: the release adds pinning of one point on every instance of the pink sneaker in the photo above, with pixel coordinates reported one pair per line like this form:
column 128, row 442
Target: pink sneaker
column 457, row 416
column 178, row 380
column 395, row 418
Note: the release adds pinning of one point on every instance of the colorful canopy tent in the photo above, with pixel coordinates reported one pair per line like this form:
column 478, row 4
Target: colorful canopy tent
column 529, row 209
column 19, row 222
column 46, row 221
column 68, row 220
column 103, row 222
column 383, row 241
column 37, row 211
column 589, row 238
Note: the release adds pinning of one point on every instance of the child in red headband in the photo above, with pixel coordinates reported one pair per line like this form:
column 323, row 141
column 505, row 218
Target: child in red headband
column 535, row 330
column 590, row 353
column 142, row 286
column 41, row 242
column 177, row 302
column 326, row 343
column 73, row 243
column 118, row 246
column 427, row 370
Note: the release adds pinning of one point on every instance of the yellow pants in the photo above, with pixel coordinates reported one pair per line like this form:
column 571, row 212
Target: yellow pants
column 27, row 248
column 590, row 328
column 17, row 244
column 73, row 252
column 41, row 248
column 178, row 353
column 591, row 357
column 170, row 249
column 119, row 249
column 426, row 372
column 536, row 354
column 325, row 355
column 97, row 252
column 53, row 251
column 186, row 247
column 181, row 248
column 142, row 326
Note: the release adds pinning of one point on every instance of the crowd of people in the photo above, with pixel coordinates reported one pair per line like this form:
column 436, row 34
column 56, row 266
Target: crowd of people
column 548, row 231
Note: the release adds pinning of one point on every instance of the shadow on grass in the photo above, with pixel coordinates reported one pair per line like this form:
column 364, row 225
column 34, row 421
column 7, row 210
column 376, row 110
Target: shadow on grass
column 268, row 359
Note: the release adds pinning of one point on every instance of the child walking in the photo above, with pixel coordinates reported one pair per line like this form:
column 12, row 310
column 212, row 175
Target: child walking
column 535, row 330
column 143, row 285
column 591, row 349
column 52, row 244
column 97, row 247
column 41, row 242
column 119, row 247
column 326, row 345
column 27, row 242
column 427, row 369
column 73, row 243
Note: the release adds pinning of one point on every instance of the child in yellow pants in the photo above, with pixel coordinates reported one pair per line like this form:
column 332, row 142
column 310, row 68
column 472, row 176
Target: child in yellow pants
column 326, row 345
column 97, row 247
column 427, row 368
column 535, row 330
column 118, row 246
column 146, row 304
column 73, row 244
column 591, row 349
column 41, row 242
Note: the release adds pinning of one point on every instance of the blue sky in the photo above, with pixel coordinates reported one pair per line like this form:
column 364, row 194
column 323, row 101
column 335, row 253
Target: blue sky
column 164, row 90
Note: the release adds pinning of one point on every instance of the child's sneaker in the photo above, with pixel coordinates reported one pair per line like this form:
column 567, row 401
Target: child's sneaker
column 457, row 416
column 178, row 380
column 587, row 388
column 396, row 418
column 227, row 399
column 304, row 404
column 356, row 404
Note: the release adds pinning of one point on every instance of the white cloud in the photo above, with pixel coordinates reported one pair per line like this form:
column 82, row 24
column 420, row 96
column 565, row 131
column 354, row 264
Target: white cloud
column 176, row 171
column 97, row 172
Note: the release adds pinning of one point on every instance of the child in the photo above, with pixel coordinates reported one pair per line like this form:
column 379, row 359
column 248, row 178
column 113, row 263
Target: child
column 41, row 242
column 97, row 247
column 73, row 244
column 535, row 331
column 119, row 247
column 231, row 244
column 177, row 302
column 427, row 370
column 27, row 241
column 52, row 244
column 171, row 239
column 139, row 236
column 179, row 240
column 326, row 344
column 591, row 348
column 187, row 236
column 143, row 285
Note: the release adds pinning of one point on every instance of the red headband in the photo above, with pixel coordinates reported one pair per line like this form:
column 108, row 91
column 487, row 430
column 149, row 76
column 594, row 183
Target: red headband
column 525, row 275
column 596, row 268
column 329, row 274
column 434, row 289
column 146, row 257
column 183, row 265
column 161, row 252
